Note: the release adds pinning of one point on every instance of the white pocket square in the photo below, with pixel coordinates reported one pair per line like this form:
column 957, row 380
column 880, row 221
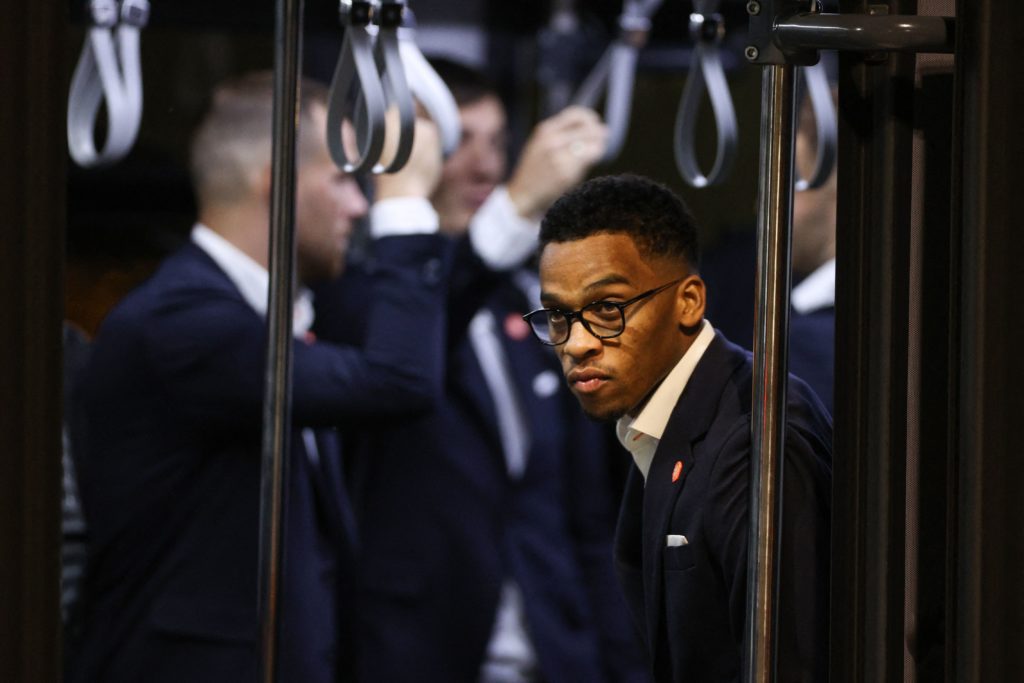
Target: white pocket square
column 675, row 540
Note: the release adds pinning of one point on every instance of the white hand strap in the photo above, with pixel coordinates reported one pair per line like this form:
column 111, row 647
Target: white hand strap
column 428, row 88
column 820, row 92
column 108, row 69
column 615, row 73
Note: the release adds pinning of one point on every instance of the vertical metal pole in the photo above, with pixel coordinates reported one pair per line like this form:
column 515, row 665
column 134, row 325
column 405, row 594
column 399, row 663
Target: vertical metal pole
column 771, row 338
column 277, row 395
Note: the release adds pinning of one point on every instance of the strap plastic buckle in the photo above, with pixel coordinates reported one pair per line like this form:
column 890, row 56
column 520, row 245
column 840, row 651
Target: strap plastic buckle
column 103, row 12
column 355, row 12
column 390, row 14
column 634, row 30
column 135, row 12
column 707, row 28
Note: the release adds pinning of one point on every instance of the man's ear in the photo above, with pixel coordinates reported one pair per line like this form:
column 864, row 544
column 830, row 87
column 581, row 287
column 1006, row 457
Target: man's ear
column 691, row 298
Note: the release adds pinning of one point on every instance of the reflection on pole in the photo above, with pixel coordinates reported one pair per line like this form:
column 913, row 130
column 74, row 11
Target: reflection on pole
column 771, row 336
column 277, row 396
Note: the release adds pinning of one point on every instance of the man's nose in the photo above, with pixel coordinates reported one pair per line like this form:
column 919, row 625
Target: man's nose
column 487, row 162
column 581, row 343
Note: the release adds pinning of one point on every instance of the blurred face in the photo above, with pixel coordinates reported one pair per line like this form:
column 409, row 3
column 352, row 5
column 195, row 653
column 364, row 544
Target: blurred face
column 612, row 377
column 477, row 166
column 814, row 211
column 327, row 204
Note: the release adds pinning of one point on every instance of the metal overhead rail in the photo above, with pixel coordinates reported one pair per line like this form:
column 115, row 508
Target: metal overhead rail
column 707, row 30
column 108, row 69
column 896, row 33
column 784, row 33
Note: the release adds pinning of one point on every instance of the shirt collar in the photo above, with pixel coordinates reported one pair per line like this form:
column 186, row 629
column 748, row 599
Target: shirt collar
column 251, row 279
column 640, row 435
column 817, row 290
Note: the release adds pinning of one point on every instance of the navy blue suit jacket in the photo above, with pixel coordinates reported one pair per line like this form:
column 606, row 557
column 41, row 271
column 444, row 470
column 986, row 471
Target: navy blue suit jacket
column 812, row 351
column 443, row 524
column 690, row 599
column 171, row 479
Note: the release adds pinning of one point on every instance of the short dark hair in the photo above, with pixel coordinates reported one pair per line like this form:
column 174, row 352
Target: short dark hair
column 655, row 217
column 466, row 84
column 235, row 136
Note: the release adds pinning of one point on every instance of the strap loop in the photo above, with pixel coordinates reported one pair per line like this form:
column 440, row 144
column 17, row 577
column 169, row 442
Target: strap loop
column 393, row 79
column 707, row 30
column 428, row 87
column 356, row 92
column 615, row 73
column 108, row 69
column 820, row 92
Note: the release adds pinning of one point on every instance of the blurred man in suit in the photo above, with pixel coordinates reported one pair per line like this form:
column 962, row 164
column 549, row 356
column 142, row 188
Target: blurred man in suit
column 812, row 327
column 486, row 525
column 173, row 394
column 619, row 257
column 730, row 270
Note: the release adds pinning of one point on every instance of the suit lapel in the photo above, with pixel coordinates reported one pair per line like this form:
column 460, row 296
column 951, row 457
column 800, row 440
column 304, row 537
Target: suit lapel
column 526, row 366
column 520, row 371
column 629, row 551
column 471, row 382
column 329, row 480
column 660, row 494
column 692, row 417
column 201, row 265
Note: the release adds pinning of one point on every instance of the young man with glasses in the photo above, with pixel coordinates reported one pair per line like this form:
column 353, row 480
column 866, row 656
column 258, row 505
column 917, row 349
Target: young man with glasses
column 619, row 256
column 486, row 525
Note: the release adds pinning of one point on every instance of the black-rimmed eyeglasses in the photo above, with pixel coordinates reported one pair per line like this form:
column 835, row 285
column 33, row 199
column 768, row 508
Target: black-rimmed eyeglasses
column 603, row 319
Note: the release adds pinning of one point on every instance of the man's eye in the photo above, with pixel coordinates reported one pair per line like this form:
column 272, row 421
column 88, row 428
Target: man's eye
column 556, row 317
column 603, row 310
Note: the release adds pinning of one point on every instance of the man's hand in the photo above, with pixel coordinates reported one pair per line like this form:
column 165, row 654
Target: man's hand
column 557, row 156
column 422, row 172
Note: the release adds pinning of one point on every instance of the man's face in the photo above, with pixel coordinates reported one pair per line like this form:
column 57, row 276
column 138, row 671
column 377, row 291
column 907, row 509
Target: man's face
column 814, row 211
column 327, row 204
column 477, row 166
column 612, row 377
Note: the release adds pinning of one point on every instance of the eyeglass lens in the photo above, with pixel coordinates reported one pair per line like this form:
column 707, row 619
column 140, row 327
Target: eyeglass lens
column 601, row 318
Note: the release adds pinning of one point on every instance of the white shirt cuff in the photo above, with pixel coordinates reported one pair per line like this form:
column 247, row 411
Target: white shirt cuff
column 500, row 236
column 403, row 216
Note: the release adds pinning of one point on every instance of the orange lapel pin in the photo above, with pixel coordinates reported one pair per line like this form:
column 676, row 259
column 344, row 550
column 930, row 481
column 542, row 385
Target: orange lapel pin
column 677, row 471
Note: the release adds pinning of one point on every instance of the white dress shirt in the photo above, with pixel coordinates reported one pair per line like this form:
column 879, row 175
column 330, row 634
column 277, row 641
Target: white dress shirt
column 817, row 290
column 641, row 435
column 398, row 216
column 251, row 279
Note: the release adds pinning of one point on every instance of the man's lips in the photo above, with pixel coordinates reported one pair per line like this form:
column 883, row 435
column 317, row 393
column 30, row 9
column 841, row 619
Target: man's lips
column 586, row 380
